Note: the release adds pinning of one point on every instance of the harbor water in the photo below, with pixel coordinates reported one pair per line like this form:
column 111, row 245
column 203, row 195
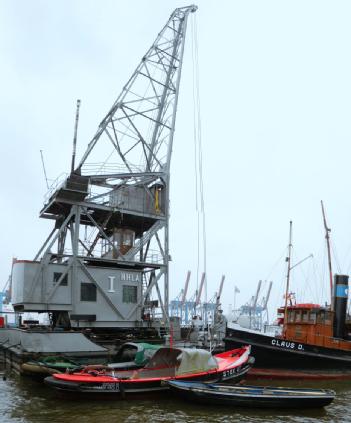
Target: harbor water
column 24, row 400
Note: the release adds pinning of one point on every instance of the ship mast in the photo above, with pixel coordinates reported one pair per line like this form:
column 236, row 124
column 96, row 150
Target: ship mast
column 288, row 259
column 327, row 237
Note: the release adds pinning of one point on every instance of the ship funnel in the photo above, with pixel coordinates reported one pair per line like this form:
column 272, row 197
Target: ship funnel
column 341, row 288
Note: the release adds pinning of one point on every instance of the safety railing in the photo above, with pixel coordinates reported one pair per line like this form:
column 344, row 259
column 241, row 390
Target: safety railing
column 55, row 185
column 100, row 250
column 109, row 168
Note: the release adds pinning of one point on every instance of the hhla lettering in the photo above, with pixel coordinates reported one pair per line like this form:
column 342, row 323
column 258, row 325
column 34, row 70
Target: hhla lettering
column 129, row 277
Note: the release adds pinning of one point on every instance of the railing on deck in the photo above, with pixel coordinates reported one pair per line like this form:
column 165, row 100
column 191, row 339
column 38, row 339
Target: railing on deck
column 55, row 185
column 109, row 169
column 153, row 256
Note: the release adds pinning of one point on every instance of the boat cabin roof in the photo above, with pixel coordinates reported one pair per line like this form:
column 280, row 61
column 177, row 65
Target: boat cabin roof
column 305, row 306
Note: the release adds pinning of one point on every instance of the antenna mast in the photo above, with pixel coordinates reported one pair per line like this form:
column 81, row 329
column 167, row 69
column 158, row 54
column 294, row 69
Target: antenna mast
column 42, row 162
column 327, row 237
column 288, row 259
column 75, row 137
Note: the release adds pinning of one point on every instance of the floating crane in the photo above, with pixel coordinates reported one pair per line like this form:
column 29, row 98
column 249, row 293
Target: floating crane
column 108, row 251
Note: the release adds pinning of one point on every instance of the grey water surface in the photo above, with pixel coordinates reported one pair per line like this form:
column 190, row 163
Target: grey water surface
column 29, row 401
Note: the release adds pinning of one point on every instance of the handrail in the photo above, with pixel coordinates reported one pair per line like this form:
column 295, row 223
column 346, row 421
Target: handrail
column 55, row 185
column 107, row 168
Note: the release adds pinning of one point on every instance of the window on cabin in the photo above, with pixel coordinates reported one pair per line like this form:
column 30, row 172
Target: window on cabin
column 298, row 316
column 321, row 317
column 305, row 316
column 328, row 318
column 57, row 276
column 87, row 292
column 291, row 316
column 130, row 294
column 313, row 317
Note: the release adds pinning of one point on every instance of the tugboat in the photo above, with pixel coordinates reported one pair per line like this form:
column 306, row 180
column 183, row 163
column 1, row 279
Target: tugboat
column 313, row 336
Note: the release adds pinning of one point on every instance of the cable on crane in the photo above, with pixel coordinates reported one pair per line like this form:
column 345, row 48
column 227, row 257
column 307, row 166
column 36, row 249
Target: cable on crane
column 198, row 160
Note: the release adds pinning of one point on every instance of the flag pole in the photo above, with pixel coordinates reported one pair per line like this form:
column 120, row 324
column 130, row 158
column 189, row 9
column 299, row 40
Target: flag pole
column 235, row 292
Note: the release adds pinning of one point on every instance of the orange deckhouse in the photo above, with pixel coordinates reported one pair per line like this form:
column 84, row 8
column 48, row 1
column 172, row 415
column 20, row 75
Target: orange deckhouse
column 312, row 324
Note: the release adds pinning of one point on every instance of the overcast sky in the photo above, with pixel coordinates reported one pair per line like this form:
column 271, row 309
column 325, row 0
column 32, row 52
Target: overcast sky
column 275, row 86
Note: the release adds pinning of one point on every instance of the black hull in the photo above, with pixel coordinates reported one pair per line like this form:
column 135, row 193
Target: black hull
column 277, row 353
column 259, row 403
column 122, row 388
column 252, row 400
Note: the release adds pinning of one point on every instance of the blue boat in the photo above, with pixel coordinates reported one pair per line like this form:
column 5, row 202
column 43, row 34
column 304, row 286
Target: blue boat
column 252, row 396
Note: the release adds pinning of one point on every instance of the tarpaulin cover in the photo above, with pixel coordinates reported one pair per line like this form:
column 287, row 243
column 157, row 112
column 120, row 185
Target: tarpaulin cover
column 195, row 360
column 184, row 360
column 145, row 352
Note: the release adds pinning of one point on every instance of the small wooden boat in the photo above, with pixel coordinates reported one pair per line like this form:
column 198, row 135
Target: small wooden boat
column 48, row 366
column 252, row 396
column 166, row 364
column 131, row 355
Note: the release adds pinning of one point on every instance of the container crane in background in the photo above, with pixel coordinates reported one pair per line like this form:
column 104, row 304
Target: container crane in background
column 194, row 309
column 5, row 294
column 179, row 307
column 186, row 309
column 7, row 315
column 108, row 252
column 212, row 307
column 254, row 314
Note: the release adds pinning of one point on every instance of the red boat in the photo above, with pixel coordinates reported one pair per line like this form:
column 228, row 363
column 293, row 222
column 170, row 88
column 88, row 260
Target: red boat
column 166, row 364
